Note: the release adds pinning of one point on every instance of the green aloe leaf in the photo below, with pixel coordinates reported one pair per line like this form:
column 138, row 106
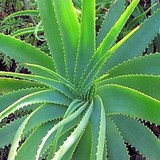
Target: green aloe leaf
column 87, row 38
column 84, row 145
column 12, row 97
column 50, row 96
column 146, row 143
column 47, row 81
column 138, row 66
column 95, row 123
column 68, row 24
column 128, row 49
column 115, row 142
column 33, row 120
column 59, row 125
column 53, row 36
column 110, row 38
column 34, row 140
column 54, row 75
column 96, row 68
column 23, row 52
column 74, row 135
column 17, row 137
column 47, row 112
column 22, row 13
column 115, row 30
column 67, row 129
column 6, row 134
column 24, row 31
column 152, row 88
column 98, row 125
column 111, row 18
column 144, row 107
column 10, row 85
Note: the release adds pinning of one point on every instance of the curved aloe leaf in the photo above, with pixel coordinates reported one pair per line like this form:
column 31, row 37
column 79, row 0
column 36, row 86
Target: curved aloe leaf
column 25, row 31
column 138, row 66
column 74, row 135
column 6, row 134
column 138, row 82
column 53, row 36
column 23, row 52
column 22, row 13
column 50, row 96
column 10, row 85
column 115, row 142
column 147, row 144
column 98, row 125
column 110, row 38
column 84, row 145
column 60, row 124
column 47, row 81
column 111, row 18
column 96, row 68
column 87, row 38
column 12, row 97
column 34, row 140
column 68, row 24
column 128, row 49
column 144, row 107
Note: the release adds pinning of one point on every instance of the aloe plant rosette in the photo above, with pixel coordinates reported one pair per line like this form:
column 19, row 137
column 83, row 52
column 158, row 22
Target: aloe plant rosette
column 86, row 98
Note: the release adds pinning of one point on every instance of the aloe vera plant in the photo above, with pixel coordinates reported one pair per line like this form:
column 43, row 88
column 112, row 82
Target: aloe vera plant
column 86, row 98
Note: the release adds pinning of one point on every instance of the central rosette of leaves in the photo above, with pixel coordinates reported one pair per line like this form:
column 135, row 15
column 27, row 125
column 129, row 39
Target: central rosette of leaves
column 90, row 93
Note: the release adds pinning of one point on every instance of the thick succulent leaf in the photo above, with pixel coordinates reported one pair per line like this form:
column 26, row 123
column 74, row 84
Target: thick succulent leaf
column 23, row 52
column 52, row 34
column 108, row 41
column 47, row 81
column 59, row 125
column 54, row 75
column 34, row 140
column 148, row 64
column 50, row 96
column 87, row 38
column 115, row 30
column 112, row 16
column 83, row 148
column 10, row 85
column 149, row 85
column 76, row 103
column 123, row 100
column 102, row 132
column 69, row 29
column 68, row 155
column 131, row 49
column 98, row 125
column 138, row 136
column 17, row 137
column 115, row 144
column 24, row 31
column 33, row 120
column 74, row 135
column 71, row 108
column 67, row 129
column 10, row 98
column 96, row 68
column 22, row 13
column 47, row 112
column 7, row 132
column 95, row 124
